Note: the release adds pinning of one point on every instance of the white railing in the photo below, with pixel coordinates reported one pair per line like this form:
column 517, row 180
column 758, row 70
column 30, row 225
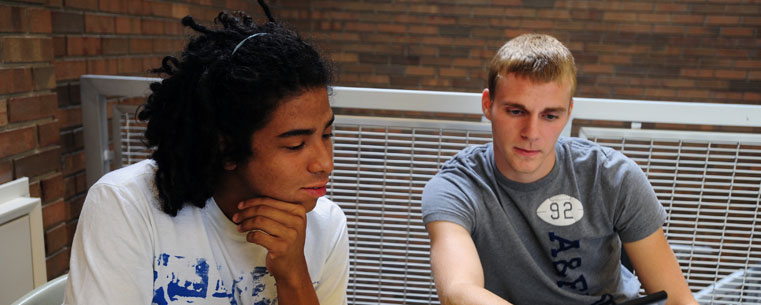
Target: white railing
column 708, row 182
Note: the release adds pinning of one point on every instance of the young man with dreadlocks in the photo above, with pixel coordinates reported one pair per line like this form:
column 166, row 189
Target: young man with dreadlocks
column 229, row 209
column 536, row 219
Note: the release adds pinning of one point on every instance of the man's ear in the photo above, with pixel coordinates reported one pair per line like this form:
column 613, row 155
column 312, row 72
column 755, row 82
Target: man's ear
column 570, row 107
column 486, row 103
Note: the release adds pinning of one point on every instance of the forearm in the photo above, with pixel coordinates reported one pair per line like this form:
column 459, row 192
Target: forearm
column 469, row 294
column 297, row 289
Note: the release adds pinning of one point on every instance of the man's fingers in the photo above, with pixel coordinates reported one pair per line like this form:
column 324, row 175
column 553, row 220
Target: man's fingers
column 293, row 208
column 267, row 211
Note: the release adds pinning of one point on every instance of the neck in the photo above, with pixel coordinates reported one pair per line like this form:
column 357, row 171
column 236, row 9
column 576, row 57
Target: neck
column 228, row 195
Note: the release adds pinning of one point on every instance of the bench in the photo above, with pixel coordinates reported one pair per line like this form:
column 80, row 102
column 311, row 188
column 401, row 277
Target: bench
column 703, row 160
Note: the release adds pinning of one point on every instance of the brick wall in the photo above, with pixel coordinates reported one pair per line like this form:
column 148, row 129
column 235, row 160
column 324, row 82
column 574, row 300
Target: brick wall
column 45, row 45
column 687, row 50
column 700, row 51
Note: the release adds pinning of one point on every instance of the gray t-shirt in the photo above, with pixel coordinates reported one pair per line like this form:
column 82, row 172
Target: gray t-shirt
column 556, row 240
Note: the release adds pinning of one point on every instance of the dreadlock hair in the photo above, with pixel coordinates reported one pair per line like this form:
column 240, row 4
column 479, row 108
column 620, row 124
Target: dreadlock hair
column 203, row 113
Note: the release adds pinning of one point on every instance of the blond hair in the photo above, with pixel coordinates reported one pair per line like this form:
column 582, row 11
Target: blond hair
column 540, row 57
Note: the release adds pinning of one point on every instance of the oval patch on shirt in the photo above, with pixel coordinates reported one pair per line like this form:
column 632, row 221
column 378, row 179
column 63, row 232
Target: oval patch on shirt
column 560, row 210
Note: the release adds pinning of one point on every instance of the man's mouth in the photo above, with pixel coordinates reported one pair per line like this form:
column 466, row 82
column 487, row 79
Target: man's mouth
column 316, row 191
column 526, row 152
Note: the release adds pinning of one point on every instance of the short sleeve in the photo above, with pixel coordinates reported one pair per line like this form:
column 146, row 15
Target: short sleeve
column 449, row 197
column 639, row 212
column 111, row 256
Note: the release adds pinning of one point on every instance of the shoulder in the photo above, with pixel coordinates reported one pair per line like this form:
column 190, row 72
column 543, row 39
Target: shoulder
column 585, row 153
column 139, row 175
column 132, row 185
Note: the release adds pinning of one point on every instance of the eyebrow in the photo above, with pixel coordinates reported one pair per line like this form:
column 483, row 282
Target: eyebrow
column 521, row 107
column 304, row 132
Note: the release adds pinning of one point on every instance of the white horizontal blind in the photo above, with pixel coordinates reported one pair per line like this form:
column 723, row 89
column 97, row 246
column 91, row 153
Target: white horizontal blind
column 130, row 137
column 709, row 183
column 380, row 169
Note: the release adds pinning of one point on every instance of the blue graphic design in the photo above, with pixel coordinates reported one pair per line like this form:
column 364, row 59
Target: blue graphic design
column 186, row 288
column 605, row 299
column 562, row 266
column 564, row 244
column 181, row 280
column 580, row 280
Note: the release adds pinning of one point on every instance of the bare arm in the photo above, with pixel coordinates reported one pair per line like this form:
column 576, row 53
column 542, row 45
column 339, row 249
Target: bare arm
column 658, row 269
column 456, row 267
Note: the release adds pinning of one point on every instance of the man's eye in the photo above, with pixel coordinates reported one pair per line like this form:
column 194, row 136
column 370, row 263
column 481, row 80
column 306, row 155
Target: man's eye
column 297, row 147
column 515, row 111
column 327, row 135
column 551, row 116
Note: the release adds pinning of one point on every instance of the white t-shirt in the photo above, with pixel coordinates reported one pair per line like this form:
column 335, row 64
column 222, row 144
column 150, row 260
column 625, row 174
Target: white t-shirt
column 127, row 251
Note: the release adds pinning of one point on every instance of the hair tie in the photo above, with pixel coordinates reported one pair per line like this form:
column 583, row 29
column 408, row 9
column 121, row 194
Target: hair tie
column 244, row 40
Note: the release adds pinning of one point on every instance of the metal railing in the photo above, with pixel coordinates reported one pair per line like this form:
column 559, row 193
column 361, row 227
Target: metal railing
column 709, row 182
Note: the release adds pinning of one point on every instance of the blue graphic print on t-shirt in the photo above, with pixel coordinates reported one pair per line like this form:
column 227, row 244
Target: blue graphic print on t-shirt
column 181, row 280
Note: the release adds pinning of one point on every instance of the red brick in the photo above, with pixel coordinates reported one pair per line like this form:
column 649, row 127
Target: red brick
column 537, row 24
column 37, row 164
column 687, row 19
column 668, row 29
column 731, row 20
column 140, row 46
column 56, row 238
column 69, row 117
column 737, row 31
column 453, row 72
column 619, row 17
column 83, row 46
column 58, row 263
column 127, row 25
column 420, row 71
column 51, row 188
column 83, row 4
column 40, row 21
column 59, row 46
column 3, row 113
column 32, row 107
column 178, row 11
column 693, row 93
column 731, row 74
column 73, row 163
column 34, row 188
column 67, row 22
column 69, row 69
column 99, row 24
column 114, row 6
column 102, row 66
column 696, row 73
column 115, row 46
column 48, row 134
column 593, row 68
column 130, row 65
column 671, row 7
column 26, row 49
column 15, row 80
column 18, row 140
column 44, row 78
column 152, row 27
column 13, row 19
column 6, row 171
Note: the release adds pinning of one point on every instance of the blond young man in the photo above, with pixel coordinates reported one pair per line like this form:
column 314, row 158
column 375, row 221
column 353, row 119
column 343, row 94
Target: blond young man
column 533, row 218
